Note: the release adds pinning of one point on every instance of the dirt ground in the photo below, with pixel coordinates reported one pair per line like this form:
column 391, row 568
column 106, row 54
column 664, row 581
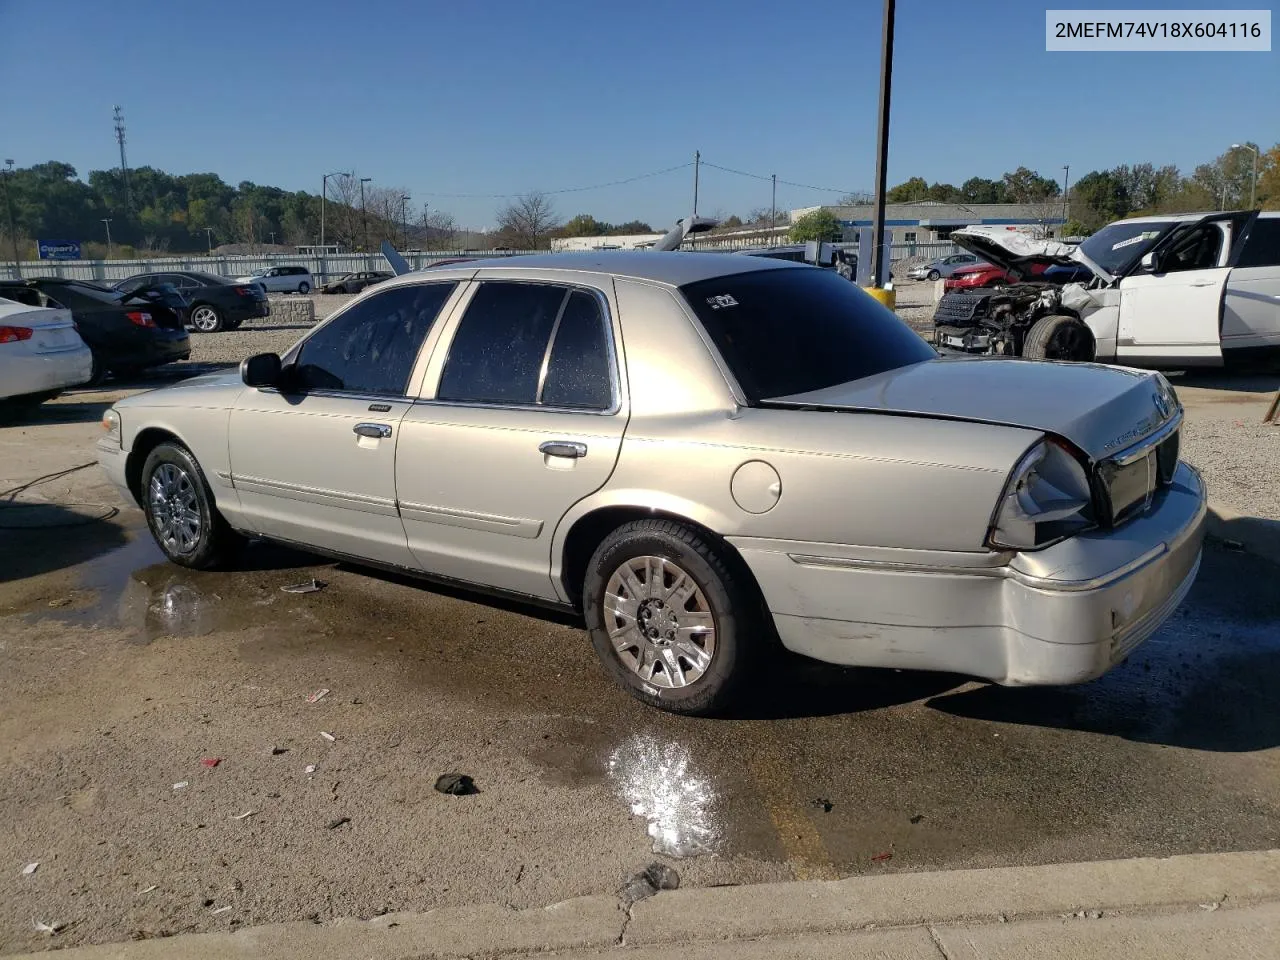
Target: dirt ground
column 123, row 677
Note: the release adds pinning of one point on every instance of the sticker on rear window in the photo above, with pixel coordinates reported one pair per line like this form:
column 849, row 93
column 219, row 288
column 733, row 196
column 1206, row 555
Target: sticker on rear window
column 721, row 300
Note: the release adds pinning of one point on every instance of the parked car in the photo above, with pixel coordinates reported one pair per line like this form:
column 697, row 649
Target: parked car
column 1167, row 292
column 281, row 280
column 705, row 455
column 942, row 267
column 125, row 332
column 355, row 282
column 213, row 303
column 41, row 354
column 982, row 275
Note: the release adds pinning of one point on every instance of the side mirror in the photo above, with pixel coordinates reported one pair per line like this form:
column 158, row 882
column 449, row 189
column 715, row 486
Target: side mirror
column 261, row 370
column 1151, row 262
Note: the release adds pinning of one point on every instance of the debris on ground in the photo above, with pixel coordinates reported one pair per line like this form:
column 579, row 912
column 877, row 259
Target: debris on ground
column 335, row 824
column 148, row 889
column 244, row 816
column 881, row 857
column 182, row 785
column 309, row 768
column 49, row 928
column 1088, row 914
column 276, row 751
column 210, row 762
column 310, row 586
column 30, row 868
column 318, row 695
column 221, row 910
column 823, row 804
column 917, row 818
column 655, row 877
column 457, row 784
column 60, row 602
column 328, row 736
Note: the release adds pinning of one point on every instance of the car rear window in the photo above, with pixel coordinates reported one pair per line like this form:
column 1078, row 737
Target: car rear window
column 794, row 330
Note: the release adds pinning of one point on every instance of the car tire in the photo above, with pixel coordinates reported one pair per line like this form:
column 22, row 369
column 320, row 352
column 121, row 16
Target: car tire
column 304, row 288
column 721, row 613
column 206, row 318
column 97, row 370
column 934, row 275
column 181, row 512
column 1059, row 338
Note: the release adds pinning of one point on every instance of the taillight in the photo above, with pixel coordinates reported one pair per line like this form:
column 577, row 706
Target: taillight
column 247, row 291
column 14, row 334
column 140, row 318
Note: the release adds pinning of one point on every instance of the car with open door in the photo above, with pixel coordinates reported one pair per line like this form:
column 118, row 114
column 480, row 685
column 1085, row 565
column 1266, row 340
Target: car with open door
column 1194, row 290
column 707, row 456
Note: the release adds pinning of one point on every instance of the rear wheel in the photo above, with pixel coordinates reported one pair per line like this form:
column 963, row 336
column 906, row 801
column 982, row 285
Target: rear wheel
column 1059, row 338
column 180, row 510
column 206, row 318
column 672, row 618
column 304, row 287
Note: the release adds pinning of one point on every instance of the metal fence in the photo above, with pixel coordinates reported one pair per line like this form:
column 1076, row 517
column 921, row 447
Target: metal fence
column 323, row 268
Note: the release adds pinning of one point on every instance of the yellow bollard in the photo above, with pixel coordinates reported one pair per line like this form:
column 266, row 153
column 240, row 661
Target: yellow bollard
column 887, row 297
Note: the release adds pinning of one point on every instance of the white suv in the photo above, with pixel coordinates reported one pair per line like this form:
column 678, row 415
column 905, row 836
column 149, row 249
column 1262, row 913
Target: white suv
column 1193, row 290
column 281, row 280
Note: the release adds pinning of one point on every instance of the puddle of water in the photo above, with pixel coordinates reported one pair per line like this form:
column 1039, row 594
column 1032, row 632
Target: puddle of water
column 658, row 780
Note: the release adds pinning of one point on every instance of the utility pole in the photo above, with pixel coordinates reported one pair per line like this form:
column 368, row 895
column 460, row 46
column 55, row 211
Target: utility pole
column 13, row 232
column 107, row 221
column 1253, row 189
column 273, row 238
column 697, row 163
column 1066, row 185
column 208, row 236
column 118, row 117
column 364, row 216
column 773, row 207
column 324, row 193
column 880, row 270
column 404, row 218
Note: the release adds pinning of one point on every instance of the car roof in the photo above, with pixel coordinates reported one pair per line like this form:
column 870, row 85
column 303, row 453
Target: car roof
column 1191, row 217
column 673, row 268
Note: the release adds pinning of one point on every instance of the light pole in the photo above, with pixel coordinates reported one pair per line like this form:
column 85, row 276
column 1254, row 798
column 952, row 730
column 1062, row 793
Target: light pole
column 273, row 238
column 364, row 216
column 324, row 193
column 880, row 269
column 107, row 222
column 208, row 236
column 1253, row 189
column 404, row 217
column 1066, row 186
column 13, row 232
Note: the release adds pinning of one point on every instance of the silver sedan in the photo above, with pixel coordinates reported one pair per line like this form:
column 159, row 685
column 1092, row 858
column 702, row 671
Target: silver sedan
column 707, row 456
column 942, row 267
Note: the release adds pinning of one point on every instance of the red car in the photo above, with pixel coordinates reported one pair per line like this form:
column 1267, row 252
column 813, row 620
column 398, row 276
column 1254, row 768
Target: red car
column 985, row 275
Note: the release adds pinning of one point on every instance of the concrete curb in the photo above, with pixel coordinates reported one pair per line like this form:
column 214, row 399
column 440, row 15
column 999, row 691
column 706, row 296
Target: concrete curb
column 703, row 915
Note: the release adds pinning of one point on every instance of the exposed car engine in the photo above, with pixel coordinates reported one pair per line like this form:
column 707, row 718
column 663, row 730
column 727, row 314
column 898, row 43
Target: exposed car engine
column 1021, row 320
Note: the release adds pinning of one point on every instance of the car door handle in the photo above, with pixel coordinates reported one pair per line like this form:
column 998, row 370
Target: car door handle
column 378, row 431
column 563, row 448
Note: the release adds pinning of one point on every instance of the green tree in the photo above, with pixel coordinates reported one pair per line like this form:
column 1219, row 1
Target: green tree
column 909, row 192
column 584, row 225
column 1027, row 186
column 980, row 190
column 1097, row 198
column 816, row 225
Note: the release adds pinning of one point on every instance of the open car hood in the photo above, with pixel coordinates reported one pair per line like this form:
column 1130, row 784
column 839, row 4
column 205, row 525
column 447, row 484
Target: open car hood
column 1014, row 251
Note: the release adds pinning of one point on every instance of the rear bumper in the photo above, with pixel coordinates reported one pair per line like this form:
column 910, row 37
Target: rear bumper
column 42, row 372
column 148, row 348
column 1065, row 614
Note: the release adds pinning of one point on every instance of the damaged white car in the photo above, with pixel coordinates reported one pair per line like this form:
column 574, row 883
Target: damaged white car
column 1196, row 290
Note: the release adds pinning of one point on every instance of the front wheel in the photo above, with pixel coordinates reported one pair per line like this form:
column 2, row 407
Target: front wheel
column 672, row 618
column 1059, row 338
column 934, row 275
column 180, row 510
column 304, row 288
column 206, row 319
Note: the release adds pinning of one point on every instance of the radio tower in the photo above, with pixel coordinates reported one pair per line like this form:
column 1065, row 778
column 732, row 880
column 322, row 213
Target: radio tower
column 118, row 116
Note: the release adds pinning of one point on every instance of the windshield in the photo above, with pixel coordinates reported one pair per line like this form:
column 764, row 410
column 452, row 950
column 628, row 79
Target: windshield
column 792, row 331
column 1116, row 246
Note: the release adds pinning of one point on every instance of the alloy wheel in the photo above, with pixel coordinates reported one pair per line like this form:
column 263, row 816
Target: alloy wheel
column 175, row 509
column 659, row 622
column 204, row 319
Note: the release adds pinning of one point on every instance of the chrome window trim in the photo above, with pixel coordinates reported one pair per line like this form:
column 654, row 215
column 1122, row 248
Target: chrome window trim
column 606, row 318
column 551, row 342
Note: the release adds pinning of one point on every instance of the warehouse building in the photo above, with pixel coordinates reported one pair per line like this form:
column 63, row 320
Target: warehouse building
column 931, row 221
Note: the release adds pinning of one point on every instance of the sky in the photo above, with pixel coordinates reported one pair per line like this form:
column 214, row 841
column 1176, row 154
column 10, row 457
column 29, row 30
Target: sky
column 446, row 99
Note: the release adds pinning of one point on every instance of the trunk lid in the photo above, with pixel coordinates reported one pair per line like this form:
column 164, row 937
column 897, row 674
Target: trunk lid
column 1102, row 410
column 52, row 330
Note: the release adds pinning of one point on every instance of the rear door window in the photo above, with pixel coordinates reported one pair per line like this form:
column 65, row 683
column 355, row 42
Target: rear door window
column 498, row 349
column 579, row 371
column 1262, row 246
column 371, row 348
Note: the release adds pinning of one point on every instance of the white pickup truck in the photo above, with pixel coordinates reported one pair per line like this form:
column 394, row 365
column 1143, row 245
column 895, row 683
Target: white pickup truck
column 1166, row 291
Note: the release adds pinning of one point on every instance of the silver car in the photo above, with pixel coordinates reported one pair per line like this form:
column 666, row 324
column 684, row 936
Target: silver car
column 707, row 456
column 942, row 267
